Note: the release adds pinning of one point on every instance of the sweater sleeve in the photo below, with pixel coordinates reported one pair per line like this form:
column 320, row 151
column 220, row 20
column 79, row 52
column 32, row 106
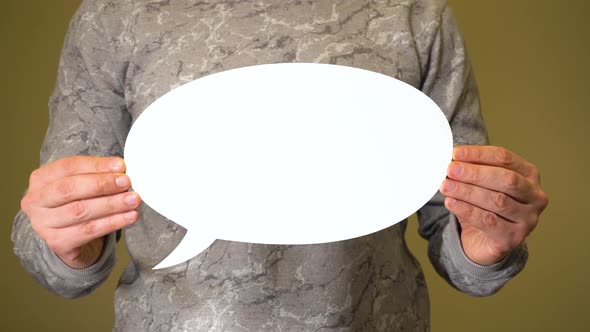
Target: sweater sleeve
column 87, row 116
column 450, row 82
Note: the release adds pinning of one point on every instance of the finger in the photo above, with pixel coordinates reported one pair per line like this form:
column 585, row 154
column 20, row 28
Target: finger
column 507, row 234
column 494, row 178
column 89, row 209
column 496, row 156
column 493, row 201
column 75, row 165
column 83, row 186
column 80, row 234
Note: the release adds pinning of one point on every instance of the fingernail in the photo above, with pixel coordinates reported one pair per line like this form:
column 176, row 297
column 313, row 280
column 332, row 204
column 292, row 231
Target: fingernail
column 131, row 215
column 456, row 169
column 449, row 186
column 122, row 181
column 132, row 199
column 117, row 165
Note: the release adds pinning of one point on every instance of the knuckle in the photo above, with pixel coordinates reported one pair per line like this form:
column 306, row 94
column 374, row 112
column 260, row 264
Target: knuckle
column 511, row 181
column 504, row 156
column 70, row 164
column 111, row 222
column 501, row 201
column 472, row 173
column 90, row 228
column 462, row 192
column 535, row 173
column 65, row 188
column 78, row 210
column 34, row 177
column 468, row 193
column 98, row 164
column 473, row 153
column 543, row 200
column 490, row 219
column 463, row 211
column 101, row 184
column 25, row 203
column 111, row 204
column 531, row 223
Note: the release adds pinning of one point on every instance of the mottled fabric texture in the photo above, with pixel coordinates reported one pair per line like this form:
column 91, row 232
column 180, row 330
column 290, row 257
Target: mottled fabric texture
column 120, row 56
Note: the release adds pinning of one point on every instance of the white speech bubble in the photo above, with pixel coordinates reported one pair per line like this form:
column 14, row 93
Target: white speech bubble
column 294, row 153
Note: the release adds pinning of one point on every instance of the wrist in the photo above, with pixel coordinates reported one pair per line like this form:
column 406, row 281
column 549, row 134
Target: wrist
column 483, row 259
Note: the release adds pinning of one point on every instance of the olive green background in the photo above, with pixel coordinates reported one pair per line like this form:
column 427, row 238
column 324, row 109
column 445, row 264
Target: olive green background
column 531, row 58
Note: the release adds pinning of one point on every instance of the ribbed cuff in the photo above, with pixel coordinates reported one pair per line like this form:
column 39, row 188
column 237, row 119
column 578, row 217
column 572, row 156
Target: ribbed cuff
column 96, row 271
column 481, row 272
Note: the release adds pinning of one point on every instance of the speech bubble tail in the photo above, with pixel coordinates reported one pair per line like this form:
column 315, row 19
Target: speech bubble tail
column 190, row 246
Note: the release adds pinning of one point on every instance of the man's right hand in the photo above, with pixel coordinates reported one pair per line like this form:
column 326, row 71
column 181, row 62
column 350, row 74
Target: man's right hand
column 74, row 202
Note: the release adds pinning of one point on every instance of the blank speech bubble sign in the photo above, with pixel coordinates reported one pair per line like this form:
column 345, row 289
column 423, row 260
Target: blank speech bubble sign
column 294, row 153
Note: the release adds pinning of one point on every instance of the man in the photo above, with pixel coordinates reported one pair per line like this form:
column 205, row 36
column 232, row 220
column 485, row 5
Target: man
column 119, row 57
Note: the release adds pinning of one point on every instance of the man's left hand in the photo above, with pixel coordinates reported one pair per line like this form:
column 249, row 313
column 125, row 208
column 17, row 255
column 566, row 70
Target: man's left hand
column 497, row 198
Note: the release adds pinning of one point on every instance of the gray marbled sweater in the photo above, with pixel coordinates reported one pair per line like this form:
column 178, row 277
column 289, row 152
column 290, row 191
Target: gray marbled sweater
column 120, row 56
